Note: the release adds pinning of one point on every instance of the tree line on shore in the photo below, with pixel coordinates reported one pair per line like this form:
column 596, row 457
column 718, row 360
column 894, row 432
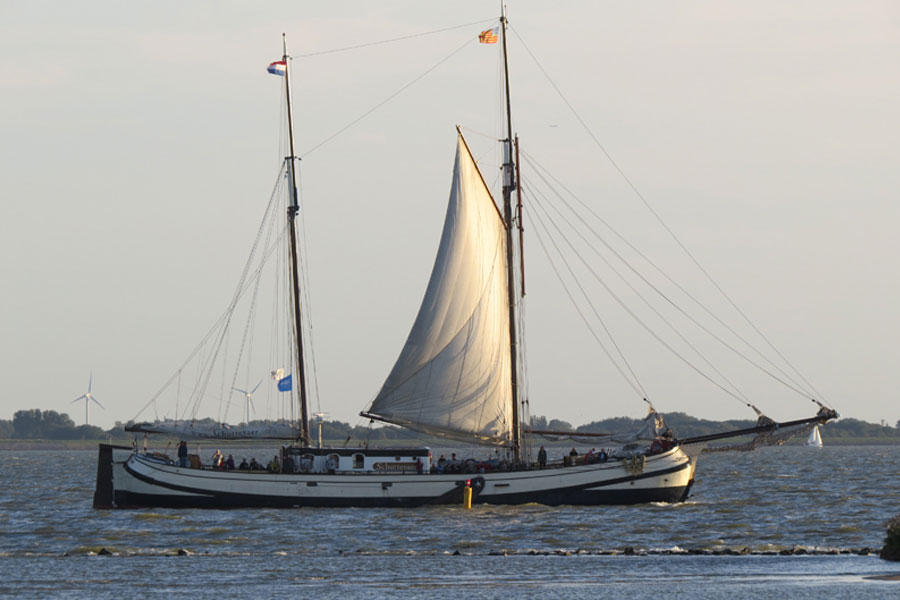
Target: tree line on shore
column 34, row 423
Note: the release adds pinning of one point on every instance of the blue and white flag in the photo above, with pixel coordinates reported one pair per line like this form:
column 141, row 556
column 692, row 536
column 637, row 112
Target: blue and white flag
column 278, row 68
column 284, row 385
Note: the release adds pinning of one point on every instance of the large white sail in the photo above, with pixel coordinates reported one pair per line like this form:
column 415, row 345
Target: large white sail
column 453, row 375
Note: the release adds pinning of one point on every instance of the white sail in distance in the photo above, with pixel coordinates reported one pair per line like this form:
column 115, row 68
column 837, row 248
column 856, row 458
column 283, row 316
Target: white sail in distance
column 815, row 438
column 453, row 376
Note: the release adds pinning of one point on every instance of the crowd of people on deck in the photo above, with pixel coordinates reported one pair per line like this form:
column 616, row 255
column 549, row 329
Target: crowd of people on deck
column 471, row 465
column 590, row 457
column 495, row 462
column 220, row 462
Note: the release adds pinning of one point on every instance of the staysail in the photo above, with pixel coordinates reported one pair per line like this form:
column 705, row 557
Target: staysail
column 453, row 375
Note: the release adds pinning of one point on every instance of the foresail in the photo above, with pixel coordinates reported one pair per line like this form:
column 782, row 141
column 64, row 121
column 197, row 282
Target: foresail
column 453, row 375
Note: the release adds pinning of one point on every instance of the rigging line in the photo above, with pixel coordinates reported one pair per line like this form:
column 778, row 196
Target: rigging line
column 534, row 163
column 222, row 415
column 639, row 295
column 386, row 100
column 496, row 179
column 645, row 326
column 222, row 325
column 793, row 385
column 247, row 280
column 275, row 327
column 247, row 337
column 633, row 383
column 479, row 133
column 306, row 294
column 219, row 322
column 396, row 39
column 279, row 347
column 204, row 382
column 659, row 218
column 177, row 393
column 537, row 170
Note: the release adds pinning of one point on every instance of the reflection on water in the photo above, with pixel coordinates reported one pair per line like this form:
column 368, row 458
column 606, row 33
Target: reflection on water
column 766, row 501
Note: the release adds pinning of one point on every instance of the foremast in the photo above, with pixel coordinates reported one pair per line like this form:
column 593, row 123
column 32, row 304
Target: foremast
column 292, row 210
column 509, row 184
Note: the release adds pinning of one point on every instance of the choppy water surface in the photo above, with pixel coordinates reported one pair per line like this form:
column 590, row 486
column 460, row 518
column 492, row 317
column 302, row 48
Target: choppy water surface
column 829, row 500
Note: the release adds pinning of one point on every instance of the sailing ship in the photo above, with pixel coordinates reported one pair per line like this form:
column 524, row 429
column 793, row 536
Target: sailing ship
column 815, row 438
column 457, row 378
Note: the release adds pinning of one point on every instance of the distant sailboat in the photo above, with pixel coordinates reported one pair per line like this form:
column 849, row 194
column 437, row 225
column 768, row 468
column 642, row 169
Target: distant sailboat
column 815, row 438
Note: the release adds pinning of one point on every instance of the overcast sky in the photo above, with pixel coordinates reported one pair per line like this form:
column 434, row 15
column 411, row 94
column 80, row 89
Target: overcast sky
column 139, row 142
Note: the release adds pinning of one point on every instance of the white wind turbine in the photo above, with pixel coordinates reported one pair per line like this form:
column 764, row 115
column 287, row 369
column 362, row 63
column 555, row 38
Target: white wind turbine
column 88, row 398
column 249, row 397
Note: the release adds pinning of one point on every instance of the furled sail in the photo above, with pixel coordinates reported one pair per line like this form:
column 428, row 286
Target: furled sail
column 190, row 430
column 453, row 375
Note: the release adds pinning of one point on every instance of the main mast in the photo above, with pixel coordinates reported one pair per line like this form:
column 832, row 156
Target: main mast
column 293, row 208
column 509, row 184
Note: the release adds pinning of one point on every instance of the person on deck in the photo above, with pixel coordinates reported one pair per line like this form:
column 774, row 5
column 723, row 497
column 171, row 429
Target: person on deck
column 288, row 465
column 243, row 466
column 216, row 461
column 542, row 458
column 182, row 454
column 274, row 466
column 229, row 463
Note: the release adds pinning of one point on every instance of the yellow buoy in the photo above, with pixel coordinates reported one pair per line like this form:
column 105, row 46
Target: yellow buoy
column 467, row 495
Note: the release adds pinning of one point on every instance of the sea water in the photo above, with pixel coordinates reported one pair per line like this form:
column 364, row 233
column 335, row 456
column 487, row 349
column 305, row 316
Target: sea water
column 778, row 522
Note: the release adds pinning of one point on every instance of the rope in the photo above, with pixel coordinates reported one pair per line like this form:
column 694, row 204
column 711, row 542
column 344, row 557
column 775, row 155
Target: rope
column 646, row 302
column 388, row 99
column 645, row 326
column 222, row 322
column 696, row 301
column 633, row 381
column 537, row 169
column 656, row 215
column 396, row 39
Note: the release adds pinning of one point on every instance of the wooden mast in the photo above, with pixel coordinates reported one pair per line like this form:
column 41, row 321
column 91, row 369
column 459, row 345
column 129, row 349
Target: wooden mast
column 293, row 208
column 509, row 184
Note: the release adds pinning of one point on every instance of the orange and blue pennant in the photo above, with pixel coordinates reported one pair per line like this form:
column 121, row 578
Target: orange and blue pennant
column 488, row 36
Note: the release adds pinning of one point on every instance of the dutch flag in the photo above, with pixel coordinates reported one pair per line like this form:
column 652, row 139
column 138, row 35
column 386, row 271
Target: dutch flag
column 278, row 68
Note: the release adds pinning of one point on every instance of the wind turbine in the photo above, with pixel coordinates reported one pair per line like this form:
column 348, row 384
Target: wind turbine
column 88, row 398
column 249, row 396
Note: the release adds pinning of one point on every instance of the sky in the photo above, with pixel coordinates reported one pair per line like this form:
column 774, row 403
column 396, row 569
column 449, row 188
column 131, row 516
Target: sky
column 139, row 142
